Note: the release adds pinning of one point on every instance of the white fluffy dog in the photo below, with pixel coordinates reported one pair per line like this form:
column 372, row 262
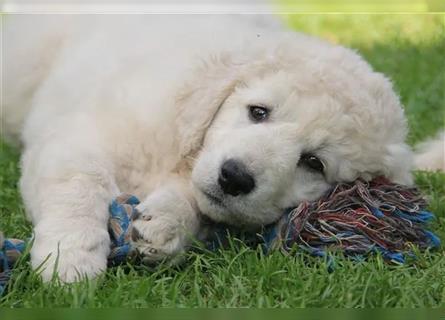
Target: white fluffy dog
column 232, row 117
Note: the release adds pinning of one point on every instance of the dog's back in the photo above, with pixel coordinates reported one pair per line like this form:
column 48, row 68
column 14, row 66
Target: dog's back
column 30, row 46
column 35, row 46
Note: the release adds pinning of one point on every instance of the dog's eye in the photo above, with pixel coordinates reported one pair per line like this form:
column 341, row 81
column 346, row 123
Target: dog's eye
column 258, row 114
column 312, row 162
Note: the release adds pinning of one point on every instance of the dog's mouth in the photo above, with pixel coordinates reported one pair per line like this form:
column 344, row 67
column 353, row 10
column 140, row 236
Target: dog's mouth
column 213, row 199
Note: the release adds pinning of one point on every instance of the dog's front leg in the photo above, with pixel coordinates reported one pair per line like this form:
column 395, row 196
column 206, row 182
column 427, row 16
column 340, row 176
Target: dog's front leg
column 167, row 222
column 67, row 186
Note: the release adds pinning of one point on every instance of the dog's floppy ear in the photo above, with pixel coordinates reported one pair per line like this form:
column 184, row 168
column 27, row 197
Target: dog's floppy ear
column 201, row 97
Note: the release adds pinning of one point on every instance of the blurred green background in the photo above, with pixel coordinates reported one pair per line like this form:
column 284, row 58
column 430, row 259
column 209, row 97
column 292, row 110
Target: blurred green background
column 365, row 6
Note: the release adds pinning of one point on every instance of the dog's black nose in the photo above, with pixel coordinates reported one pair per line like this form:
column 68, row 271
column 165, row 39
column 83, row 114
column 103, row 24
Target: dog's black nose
column 234, row 178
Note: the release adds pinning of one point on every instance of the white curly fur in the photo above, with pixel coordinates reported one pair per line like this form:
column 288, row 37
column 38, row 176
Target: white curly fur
column 152, row 105
column 430, row 155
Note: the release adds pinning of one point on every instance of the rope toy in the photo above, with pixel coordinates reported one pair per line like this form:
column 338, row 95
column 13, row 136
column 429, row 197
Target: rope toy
column 357, row 218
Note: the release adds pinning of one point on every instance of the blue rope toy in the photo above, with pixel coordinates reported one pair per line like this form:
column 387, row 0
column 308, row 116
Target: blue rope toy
column 358, row 219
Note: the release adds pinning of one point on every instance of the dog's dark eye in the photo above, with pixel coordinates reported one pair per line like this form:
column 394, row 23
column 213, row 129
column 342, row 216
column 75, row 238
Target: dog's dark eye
column 258, row 114
column 312, row 162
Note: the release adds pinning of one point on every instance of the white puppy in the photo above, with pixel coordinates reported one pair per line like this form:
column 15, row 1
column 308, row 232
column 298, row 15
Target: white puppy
column 232, row 117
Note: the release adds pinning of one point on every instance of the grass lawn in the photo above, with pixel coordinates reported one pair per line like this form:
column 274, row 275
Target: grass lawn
column 409, row 49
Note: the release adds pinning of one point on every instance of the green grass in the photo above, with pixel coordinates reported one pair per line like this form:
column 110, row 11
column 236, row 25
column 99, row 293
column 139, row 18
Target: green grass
column 409, row 49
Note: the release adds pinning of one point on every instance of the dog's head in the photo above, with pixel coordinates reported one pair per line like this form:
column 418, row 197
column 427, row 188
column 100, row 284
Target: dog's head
column 281, row 122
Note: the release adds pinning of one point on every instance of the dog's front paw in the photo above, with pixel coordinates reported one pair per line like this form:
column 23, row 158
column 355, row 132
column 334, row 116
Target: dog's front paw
column 164, row 228
column 79, row 255
column 158, row 236
column 71, row 266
